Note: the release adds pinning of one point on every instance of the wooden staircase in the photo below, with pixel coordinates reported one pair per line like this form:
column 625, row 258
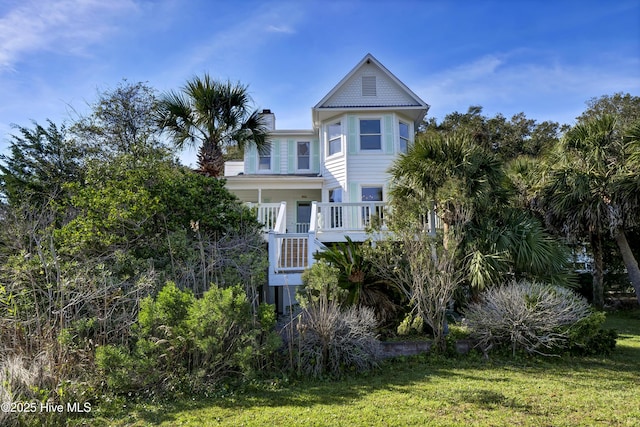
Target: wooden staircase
column 294, row 253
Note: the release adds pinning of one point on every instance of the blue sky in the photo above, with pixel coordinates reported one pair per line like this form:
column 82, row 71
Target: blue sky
column 543, row 58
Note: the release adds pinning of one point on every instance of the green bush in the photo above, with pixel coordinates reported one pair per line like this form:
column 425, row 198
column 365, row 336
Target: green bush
column 588, row 338
column 188, row 343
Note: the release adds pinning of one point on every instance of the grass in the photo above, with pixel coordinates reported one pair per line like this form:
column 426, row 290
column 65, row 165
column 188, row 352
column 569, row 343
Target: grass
column 431, row 391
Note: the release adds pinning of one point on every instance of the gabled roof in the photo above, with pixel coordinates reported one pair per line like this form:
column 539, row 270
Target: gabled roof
column 370, row 86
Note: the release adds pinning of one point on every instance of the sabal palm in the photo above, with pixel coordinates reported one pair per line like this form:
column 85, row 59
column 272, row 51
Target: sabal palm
column 592, row 190
column 468, row 184
column 215, row 116
column 450, row 170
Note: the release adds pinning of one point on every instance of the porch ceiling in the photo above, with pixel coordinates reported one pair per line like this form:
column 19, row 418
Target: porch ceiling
column 274, row 182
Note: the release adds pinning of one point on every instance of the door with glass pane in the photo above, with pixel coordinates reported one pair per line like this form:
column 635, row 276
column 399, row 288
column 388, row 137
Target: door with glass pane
column 374, row 212
column 303, row 217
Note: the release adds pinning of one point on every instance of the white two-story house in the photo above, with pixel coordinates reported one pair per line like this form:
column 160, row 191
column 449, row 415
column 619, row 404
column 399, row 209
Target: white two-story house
column 321, row 184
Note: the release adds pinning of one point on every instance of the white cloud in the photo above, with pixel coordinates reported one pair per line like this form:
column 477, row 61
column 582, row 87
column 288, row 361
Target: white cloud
column 68, row 26
column 542, row 87
column 280, row 29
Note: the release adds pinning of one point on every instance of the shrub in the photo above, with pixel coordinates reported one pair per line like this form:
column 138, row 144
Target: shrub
column 588, row 337
column 185, row 342
column 530, row 316
column 21, row 381
column 332, row 341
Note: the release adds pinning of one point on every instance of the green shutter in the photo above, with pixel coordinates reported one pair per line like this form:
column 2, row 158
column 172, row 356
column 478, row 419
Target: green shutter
column 388, row 134
column 251, row 156
column 291, row 156
column 353, row 192
column 275, row 156
column 315, row 156
column 354, row 197
column 352, row 134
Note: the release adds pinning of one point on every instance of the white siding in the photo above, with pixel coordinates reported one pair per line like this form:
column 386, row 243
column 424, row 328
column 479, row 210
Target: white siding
column 388, row 92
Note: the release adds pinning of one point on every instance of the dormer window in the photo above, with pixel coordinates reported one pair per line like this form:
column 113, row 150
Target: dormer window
column 369, row 86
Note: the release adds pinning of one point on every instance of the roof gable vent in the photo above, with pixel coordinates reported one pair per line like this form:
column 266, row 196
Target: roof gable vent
column 369, row 86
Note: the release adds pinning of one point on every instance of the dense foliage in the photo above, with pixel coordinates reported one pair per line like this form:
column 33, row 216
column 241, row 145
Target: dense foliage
column 115, row 258
column 185, row 344
column 95, row 220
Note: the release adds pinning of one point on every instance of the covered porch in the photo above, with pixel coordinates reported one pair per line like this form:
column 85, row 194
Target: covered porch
column 269, row 193
column 291, row 253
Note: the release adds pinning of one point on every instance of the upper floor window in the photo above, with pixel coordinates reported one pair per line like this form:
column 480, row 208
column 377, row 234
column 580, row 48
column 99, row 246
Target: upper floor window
column 335, row 138
column 404, row 137
column 370, row 134
column 264, row 160
column 304, row 153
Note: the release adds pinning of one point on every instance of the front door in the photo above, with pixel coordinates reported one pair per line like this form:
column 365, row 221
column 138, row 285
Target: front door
column 303, row 217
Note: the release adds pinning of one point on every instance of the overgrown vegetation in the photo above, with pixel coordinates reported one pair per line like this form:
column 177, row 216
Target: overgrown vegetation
column 116, row 260
column 331, row 337
column 427, row 390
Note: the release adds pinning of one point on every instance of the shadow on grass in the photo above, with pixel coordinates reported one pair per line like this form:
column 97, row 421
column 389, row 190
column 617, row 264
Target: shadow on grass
column 403, row 374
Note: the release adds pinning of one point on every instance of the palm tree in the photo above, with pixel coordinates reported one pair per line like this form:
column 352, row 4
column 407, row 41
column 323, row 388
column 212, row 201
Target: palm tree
column 473, row 195
column 214, row 115
column 356, row 276
column 450, row 170
column 592, row 189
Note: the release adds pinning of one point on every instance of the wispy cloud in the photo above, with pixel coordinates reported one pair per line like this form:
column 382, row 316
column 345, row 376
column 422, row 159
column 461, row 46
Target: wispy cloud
column 68, row 26
column 280, row 29
column 506, row 83
column 240, row 40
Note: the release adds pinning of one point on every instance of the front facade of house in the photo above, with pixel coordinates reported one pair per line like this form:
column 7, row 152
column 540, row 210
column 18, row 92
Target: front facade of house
column 319, row 185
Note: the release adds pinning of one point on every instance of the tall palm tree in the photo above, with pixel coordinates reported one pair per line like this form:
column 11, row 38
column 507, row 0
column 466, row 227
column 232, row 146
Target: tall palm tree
column 214, row 115
column 592, row 190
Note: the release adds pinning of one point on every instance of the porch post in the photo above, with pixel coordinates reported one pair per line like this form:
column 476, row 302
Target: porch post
column 273, row 256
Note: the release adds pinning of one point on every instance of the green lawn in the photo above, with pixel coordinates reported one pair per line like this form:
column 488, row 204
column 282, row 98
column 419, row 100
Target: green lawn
column 434, row 392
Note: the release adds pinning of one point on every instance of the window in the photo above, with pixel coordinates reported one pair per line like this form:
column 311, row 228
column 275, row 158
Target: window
column 264, row 160
column 335, row 195
column 335, row 138
column 371, row 194
column 304, row 151
column 404, row 137
column 370, row 135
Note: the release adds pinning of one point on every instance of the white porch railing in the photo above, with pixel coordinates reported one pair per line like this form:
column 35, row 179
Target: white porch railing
column 268, row 213
column 348, row 216
column 291, row 253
